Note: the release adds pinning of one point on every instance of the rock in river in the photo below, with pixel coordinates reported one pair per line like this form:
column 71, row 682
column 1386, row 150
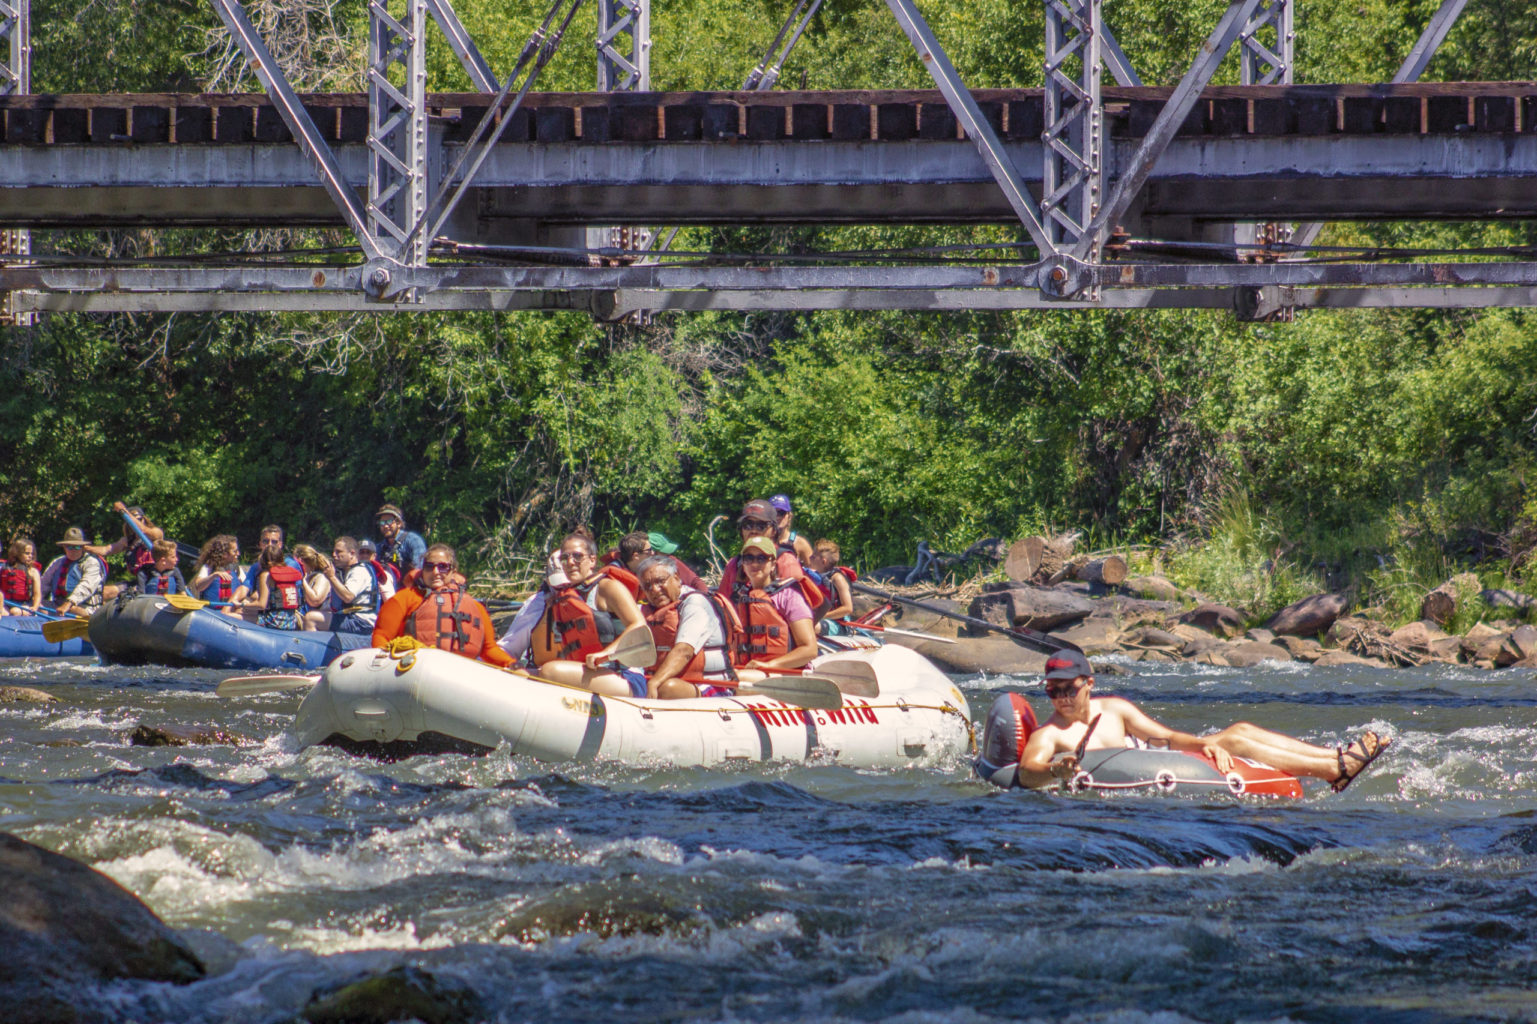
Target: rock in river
column 64, row 925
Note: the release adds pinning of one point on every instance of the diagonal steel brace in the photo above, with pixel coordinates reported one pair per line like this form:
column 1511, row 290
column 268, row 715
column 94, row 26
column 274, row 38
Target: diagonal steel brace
column 970, row 116
column 1167, row 124
column 459, row 40
column 299, row 123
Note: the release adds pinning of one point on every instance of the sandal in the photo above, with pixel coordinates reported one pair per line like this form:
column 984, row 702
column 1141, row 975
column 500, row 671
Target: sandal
column 1371, row 746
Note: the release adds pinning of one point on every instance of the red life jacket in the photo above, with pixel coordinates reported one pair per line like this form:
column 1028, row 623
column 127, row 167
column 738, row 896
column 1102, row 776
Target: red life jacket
column 449, row 620
column 616, row 571
column 765, row 633
column 138, row 558
column 16, row 583
column 283, row 588
column 829, row 596
column 664, row 631
column 384, row 569
column 787, row 569
column 155, row 582
column 221, row 590
column 575, row 628
column 61, row 584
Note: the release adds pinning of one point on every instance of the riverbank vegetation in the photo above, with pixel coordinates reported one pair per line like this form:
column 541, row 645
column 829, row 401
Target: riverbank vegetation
column 1379, row 451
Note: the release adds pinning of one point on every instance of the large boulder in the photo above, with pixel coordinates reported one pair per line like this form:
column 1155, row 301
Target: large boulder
column 1217, row 619
column 995, row 656
column 64, row 925
column 1336, row 659
column 907, row 617
column 1427, row 639
column 401, row 993
column 1153, row 588
column 1309, row 616
column 1033, row 607
column 1094, row 635
column 1251, row 652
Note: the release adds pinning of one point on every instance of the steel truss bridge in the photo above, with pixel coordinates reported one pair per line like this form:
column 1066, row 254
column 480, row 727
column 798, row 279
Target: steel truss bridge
column 1123, row 196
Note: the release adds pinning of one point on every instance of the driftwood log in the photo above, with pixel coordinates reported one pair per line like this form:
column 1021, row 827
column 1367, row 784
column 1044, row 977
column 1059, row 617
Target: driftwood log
column 1110, row 571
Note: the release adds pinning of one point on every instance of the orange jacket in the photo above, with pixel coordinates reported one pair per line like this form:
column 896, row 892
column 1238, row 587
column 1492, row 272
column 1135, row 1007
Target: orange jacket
column 395, row 612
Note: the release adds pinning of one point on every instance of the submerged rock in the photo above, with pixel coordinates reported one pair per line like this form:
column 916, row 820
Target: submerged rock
column 182, row 736
column 401, row 993
column 64, row 925
column 16, row 694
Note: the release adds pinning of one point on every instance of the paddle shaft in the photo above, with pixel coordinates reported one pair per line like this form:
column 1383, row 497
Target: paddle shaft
column 1040, row 641
column 895, row 631
column 42, row 612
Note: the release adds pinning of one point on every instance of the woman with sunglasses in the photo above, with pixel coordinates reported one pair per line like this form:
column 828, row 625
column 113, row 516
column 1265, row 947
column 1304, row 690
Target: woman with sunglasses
column 1079, row 719
column 585, row 620
column 757, row 520
column 435, row 610
column 777, row 626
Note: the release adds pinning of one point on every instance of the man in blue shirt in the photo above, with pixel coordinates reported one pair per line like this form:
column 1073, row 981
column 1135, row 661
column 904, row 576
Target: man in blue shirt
column 399, row 546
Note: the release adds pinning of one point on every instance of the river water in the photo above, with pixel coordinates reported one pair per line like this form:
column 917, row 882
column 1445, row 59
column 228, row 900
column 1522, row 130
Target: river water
column 793, row 893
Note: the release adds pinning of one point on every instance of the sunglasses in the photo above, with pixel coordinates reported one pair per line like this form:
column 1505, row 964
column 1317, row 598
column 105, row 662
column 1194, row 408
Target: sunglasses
column 571, row 556
column 754, row 559
column 438, row 566
column 1063, row 688
column 755, row 524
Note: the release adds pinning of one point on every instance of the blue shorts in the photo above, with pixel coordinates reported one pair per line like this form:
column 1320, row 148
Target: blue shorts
column 637, row 680
column 350, row 623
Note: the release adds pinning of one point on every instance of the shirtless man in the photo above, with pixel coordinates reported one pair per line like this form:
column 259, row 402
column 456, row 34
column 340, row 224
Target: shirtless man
column 1108, row 721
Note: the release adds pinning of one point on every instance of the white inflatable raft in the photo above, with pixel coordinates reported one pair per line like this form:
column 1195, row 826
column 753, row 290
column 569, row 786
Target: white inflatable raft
column 913, row 715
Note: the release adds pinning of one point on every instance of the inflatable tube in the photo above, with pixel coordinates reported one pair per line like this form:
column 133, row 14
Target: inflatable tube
column 1122, row 769
column 148, row 631
column 913, row 716
column 21, row 636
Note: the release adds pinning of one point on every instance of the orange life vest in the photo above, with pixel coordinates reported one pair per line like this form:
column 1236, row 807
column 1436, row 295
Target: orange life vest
column 765, row 633
column 449, row 620
column 664, row 632
column 789, row 570
column 283, row 588
column 573, row 628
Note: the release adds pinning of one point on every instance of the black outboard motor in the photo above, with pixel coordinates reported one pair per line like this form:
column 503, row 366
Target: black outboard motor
column 1010, row 721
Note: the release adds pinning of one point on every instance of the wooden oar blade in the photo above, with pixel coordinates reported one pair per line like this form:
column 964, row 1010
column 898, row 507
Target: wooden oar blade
column 66, row 629
column 250, row 686
column 814, row 692
column 636, row 649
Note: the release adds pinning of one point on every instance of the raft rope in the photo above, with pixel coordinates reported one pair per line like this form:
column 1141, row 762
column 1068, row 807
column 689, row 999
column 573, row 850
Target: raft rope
column 401, row 647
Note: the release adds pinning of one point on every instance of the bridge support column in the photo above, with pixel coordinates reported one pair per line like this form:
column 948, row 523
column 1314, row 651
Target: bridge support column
column 624, row 65
column 15, row 80
column 397, row 130
column 1071, row 187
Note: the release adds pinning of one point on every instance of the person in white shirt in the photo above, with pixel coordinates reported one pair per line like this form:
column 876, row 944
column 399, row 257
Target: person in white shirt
column 353, row 605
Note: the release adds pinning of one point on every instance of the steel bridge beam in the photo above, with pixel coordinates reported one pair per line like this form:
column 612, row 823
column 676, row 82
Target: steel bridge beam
column 15, row 80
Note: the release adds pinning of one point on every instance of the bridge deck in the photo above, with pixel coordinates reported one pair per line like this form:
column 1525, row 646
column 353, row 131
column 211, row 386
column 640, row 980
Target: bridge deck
column 1406, row 151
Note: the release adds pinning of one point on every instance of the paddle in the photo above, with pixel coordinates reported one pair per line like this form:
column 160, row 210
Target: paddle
column 1040, row 641
column 850, row 676
column 898, row 632
column 817, row 693
column 62, row 630
column 42, row 613
column 188, row 603
column 636, row 649
column 251, row 686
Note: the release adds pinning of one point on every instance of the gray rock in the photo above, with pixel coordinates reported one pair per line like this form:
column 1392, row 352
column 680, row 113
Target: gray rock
column 15, row 694
column 908, row 617
column 1251, row 652
column 182, row 736
column 1154, row 588
column 1218, row 619
column 995, row 656
column 1309, row 616
column 1332, row 659
column 1148, row 636
column 1303, row 648
column 1033, row 607
column 1508, row 599
column 64, row 925
column 401, row 993
column 1263, row 636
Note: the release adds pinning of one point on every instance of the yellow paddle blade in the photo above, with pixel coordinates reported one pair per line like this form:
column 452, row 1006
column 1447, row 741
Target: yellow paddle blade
column 66, row 629
column 185, row 602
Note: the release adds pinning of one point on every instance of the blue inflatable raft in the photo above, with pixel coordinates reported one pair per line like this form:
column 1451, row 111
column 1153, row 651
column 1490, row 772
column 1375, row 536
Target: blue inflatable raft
column 21, row 636
column 149, row 631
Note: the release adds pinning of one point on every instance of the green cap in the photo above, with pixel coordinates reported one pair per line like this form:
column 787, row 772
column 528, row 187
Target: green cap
column 661, row 544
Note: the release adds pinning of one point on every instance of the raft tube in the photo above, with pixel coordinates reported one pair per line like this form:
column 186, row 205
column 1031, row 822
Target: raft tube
column 147, row 630
column 1123, row 769
column 21, row 636
column 368, row 700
